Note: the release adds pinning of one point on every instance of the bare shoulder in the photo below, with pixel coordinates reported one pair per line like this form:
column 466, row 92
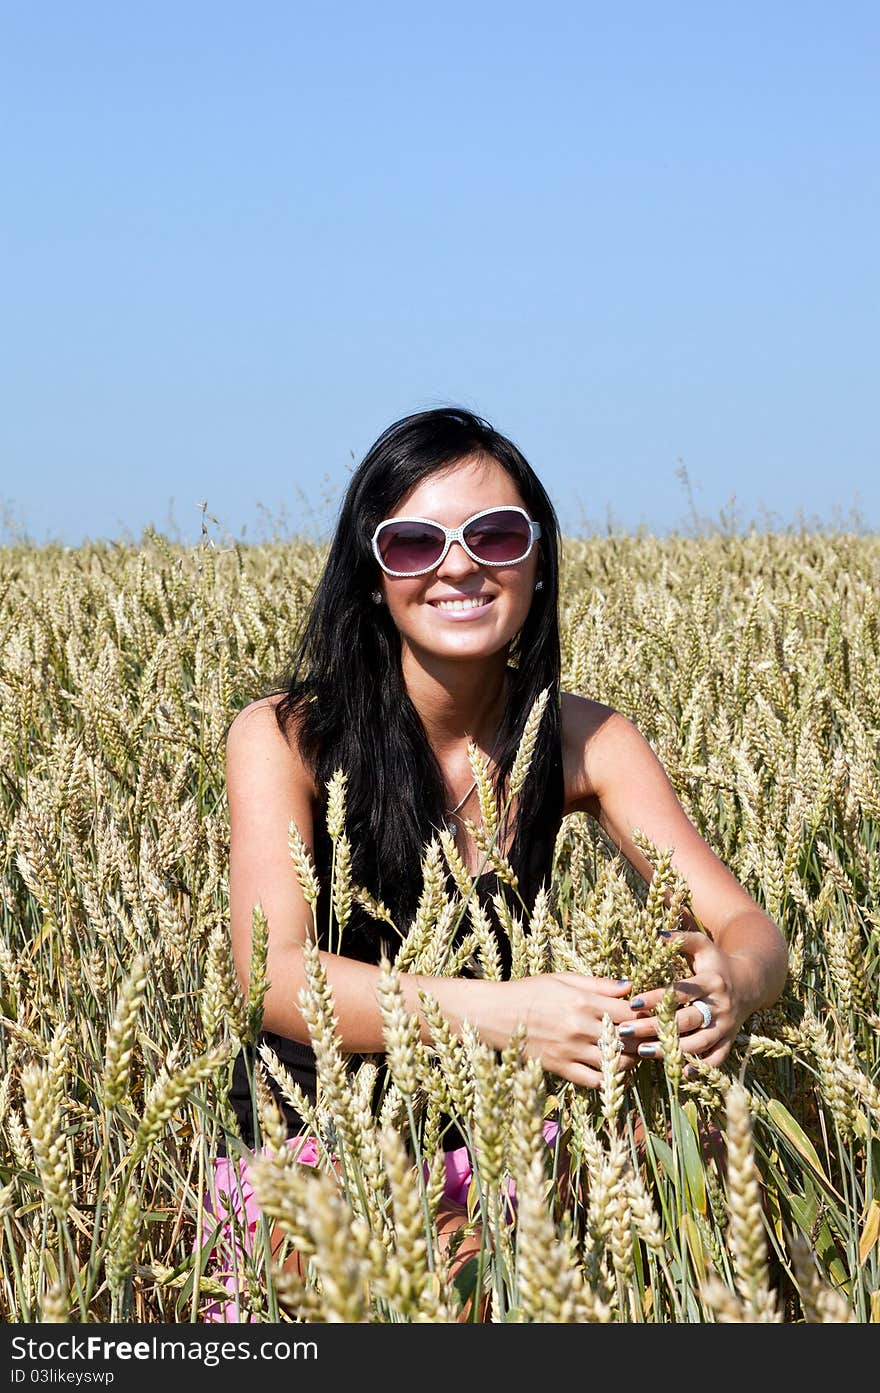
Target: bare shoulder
column 268, row 788
column 256, row 714
column 629, row 791
column 585, row 726
column 254, row 734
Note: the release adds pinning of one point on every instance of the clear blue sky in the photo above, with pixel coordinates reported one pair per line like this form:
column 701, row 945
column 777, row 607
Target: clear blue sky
column 238, row 241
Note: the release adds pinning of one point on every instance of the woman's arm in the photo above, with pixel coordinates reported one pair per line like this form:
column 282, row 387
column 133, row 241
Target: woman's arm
column 740, row 963
column 268, row 786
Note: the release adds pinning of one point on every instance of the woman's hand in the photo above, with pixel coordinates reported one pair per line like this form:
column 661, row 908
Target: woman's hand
column 563, row 1013
column 743, row 966
column 723, row 981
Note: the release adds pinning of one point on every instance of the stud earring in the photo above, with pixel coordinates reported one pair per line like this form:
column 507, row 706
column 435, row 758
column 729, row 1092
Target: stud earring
column 376, row 597
column 539, row 585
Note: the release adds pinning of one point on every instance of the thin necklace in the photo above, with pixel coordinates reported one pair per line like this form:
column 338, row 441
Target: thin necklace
column 452, row 826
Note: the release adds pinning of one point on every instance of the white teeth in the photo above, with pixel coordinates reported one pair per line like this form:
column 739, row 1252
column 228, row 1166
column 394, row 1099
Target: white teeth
column 476, row 603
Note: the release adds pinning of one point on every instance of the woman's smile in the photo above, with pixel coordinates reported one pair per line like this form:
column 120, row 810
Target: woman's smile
column 470, row 607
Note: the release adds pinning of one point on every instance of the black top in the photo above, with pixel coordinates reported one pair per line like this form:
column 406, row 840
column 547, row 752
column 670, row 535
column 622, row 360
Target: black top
column 363, row 939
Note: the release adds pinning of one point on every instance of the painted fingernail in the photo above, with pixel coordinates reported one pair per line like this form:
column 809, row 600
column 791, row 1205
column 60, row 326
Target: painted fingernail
column 626, row 1029
column 664, row 933
column 624, row 981
column 648, row 1050
column 637, row 1001
column 690, row 1072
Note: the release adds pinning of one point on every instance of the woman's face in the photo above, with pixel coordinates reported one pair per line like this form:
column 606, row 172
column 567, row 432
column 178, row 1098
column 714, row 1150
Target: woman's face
column 451, row 497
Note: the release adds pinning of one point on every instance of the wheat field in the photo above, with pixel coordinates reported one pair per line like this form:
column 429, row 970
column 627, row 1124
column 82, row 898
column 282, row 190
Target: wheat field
column 744, row 1194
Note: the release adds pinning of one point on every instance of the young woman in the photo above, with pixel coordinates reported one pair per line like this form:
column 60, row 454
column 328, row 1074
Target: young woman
column 435, row 621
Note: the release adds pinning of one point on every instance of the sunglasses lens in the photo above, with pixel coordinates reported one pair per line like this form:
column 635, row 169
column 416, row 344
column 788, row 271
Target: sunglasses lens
column 500, row 536
column 410, row 546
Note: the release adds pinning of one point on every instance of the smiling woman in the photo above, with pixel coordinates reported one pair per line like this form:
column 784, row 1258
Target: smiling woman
column 457, row 591
column 435, row 624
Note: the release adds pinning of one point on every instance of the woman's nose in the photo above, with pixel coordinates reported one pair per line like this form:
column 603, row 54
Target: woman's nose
column 456, row 561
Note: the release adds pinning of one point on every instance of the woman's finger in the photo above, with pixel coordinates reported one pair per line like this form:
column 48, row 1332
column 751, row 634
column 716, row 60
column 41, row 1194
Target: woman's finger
column 688, row 1018
column 699, row 1041
column 685, row 990
column 634, row 1032
column 580, row 1074
column 688, row 940
column 605, row 986
column 715, row 1058
column 697, row 1016
column 695, row 1043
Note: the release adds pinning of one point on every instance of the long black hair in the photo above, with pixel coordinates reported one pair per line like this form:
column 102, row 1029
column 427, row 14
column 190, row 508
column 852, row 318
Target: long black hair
column 345, row 695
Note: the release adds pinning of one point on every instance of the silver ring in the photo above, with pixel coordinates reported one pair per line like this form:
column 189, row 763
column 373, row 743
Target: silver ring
column 705, row 1011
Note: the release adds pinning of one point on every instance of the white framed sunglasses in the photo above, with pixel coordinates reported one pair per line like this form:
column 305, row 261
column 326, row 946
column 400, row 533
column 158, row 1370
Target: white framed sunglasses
column 493, row 537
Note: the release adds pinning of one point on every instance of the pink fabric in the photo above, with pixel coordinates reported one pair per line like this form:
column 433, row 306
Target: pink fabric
column 235, row 1199
column 459, row 1171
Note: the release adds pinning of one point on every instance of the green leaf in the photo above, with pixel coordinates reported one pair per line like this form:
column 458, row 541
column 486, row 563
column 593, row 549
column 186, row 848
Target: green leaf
column 465, row 1280
column 804, row 1208
column 796, row 1136
column 694, row 1242
column 663, row 1151
column 693, row 1160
